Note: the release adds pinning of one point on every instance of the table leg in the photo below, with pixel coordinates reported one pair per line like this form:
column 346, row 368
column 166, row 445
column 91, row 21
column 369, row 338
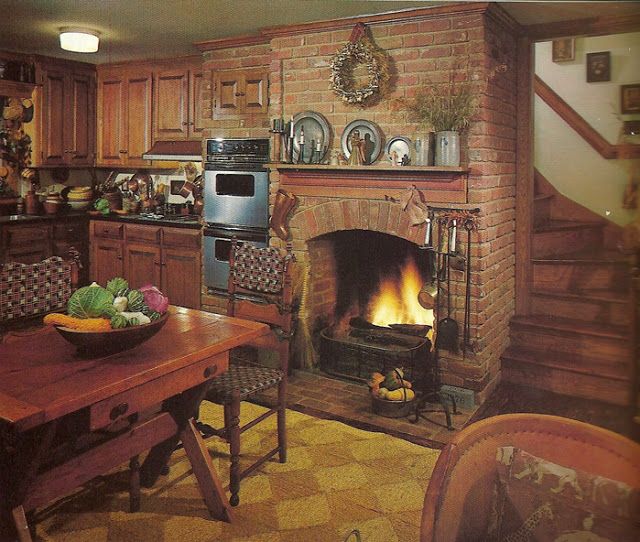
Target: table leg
column 183, row 408
column 204, row 471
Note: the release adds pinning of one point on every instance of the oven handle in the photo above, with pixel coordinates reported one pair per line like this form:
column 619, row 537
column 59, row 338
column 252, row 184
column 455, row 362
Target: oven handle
column 242, row 235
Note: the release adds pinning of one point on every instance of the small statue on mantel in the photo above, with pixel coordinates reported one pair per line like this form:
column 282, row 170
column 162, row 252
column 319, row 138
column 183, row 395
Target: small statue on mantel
column 356, row 158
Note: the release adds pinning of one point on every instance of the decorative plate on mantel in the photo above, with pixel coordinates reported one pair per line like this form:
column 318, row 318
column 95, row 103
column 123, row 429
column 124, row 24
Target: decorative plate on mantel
column 397, row 147
column 316, row 130
column 374, row 140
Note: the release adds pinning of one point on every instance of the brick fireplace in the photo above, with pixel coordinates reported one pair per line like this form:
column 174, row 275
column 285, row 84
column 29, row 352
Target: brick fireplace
column 423, row 46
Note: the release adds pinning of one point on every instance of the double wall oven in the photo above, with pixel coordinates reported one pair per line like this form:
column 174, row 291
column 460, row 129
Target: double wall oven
column 236, row 202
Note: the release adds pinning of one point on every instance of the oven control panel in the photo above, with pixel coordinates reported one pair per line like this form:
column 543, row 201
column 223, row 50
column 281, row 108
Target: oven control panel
column 238, row 150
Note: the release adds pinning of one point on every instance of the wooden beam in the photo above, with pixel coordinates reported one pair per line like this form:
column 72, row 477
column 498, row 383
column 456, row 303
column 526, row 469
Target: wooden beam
column 524, row 175
column 590, row 26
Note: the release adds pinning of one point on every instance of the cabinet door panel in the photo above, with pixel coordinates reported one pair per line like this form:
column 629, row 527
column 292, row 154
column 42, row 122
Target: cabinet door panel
column 111, row 137
column 181, row 272
column 81, row 123
column 142, row 264
column 53, row 136
column 171, row 104
column 138, row 118
column 255, row 92
column 106, row 260
column 227, row 94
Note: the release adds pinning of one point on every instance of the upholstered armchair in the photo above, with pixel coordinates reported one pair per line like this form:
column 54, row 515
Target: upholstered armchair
column 461, row 492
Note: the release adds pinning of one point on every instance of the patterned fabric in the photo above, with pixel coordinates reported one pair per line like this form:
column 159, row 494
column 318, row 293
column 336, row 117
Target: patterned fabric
column 246, row 379
column 259, row 269
column 28, row 290
column 546, row 502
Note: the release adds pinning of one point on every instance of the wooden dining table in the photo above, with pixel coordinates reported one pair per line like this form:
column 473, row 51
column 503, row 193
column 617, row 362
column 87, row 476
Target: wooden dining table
column 66, row 419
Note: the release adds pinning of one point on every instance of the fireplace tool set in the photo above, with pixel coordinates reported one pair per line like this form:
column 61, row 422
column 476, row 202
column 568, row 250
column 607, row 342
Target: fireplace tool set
column 442, row 258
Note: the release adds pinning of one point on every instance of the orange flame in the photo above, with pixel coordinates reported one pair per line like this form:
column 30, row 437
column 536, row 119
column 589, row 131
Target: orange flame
column 397, row 300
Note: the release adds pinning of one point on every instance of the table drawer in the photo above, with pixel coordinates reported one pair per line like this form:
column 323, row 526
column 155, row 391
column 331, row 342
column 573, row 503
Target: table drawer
column 154, row 392
column 109, row 230
column 69, row 231
column 19, row 235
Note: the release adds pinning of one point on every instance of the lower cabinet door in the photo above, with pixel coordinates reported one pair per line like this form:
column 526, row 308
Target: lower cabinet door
column 106, row 260
column 142, row 265
column 181, row 272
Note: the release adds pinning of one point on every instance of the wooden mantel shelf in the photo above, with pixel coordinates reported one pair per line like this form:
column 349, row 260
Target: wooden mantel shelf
column 16, row 89
column 440, row 184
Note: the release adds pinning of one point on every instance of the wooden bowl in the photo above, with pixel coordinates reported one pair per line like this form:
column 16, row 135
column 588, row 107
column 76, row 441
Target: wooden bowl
column 99, row 343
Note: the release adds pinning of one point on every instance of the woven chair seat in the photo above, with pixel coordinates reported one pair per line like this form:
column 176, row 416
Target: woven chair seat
column 246, row 379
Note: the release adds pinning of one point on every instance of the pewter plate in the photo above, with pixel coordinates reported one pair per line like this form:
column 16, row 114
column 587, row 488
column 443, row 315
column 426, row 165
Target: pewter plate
column 316, row 128
column 400, row 146
column 370, row 132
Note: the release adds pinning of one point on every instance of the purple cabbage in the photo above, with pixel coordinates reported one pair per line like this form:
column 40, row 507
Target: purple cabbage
column 154, row 298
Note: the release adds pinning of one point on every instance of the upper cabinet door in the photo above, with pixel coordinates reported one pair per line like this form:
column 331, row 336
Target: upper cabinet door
column 228, row 91
column 111, row 121
column 171, row 104
column 256, row 92
column 54, row 111
column 81, row 123
column 196, row 85
column 138, row 116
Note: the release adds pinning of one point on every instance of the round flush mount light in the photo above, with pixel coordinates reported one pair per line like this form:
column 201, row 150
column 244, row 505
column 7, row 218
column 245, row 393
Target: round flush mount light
column 79, row 40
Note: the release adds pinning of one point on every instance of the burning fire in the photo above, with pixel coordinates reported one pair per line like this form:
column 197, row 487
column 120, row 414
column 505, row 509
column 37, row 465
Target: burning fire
column 397, row 300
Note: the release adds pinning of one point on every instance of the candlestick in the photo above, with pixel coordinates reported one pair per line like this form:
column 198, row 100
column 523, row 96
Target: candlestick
column 291, row 133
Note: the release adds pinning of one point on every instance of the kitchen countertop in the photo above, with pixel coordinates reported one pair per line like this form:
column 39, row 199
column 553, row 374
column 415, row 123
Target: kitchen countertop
column 177, row 221
column 20, row 219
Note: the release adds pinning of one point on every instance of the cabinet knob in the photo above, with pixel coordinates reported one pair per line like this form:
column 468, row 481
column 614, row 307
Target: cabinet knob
column 185, row 124
column 210, row 371
column 239, row 94
column 123, row 152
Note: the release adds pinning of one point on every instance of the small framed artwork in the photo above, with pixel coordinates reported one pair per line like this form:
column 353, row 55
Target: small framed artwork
column 563, row 50
column 598, row 67
column 630, row 98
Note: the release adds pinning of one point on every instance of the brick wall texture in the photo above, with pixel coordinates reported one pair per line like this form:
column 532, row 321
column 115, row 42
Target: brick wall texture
column 421, row 51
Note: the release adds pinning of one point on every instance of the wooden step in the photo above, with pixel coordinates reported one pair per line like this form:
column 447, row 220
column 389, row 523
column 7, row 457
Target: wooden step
column 588, row 378
column 556, row 236
column 581, row 271
column 542, row 209
column 606, row 306
column 585, row 339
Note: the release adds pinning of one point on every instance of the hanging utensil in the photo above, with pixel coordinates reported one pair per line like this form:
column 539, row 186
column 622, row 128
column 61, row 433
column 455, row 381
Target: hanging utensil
column 448, row 327
column 466, row 341
column 429, row 291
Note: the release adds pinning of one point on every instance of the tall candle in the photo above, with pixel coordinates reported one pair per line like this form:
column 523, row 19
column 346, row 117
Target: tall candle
column 301, row 135
column 291, row 128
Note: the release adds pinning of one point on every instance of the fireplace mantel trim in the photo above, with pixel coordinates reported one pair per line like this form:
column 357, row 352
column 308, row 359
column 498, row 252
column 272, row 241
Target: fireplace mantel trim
column 440, row 184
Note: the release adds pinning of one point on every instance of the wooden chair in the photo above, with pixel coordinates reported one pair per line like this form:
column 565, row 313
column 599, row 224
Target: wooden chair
column 458, row 501
column 260, row 289
column 28, row 291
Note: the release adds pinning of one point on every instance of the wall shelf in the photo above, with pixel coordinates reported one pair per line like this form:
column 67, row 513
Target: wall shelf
column 440, row 184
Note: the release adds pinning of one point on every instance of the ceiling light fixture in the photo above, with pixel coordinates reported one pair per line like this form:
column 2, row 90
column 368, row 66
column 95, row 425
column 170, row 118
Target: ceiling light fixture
column 79, row 40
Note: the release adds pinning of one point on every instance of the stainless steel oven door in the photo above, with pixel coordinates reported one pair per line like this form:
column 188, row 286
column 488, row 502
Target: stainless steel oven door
column 236, row 198
column 217, row 248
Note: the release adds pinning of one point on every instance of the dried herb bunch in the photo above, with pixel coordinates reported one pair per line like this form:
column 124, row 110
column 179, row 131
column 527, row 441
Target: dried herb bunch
column 447, row 106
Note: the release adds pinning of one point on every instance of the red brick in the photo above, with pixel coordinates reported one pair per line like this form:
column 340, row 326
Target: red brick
column 435, row 25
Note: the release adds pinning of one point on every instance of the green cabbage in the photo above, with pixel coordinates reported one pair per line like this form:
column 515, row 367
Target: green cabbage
column 136, row 301
column 90, row 302
column 117, row 284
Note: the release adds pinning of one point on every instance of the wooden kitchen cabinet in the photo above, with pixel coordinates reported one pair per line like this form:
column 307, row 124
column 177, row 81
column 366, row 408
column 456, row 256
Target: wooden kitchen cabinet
column 241, row 92
column 177, row 104
column 65, row 129
column 167, row 257
column 124, row 115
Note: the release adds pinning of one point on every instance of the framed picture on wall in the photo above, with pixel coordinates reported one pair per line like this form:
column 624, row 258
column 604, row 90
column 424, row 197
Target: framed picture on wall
column 563, row 50
column 598, row 67
column 630, row 98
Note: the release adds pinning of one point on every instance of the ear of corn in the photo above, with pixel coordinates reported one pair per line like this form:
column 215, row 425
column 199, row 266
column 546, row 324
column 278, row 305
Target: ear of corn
column 81, row 324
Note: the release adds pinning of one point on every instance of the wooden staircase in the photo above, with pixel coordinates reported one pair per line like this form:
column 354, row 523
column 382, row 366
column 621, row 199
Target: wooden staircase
column 576, row 339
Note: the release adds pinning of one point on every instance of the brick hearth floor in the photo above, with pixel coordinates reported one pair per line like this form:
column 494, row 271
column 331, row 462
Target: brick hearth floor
column 349, row 402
